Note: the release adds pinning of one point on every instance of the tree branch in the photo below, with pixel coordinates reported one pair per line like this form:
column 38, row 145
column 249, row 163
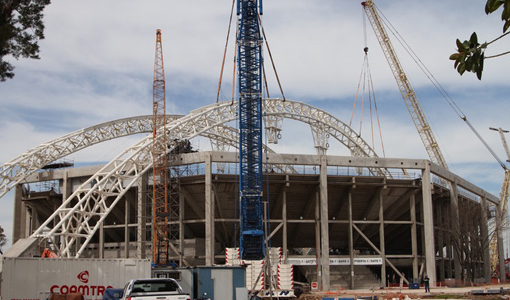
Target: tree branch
column 501, row 54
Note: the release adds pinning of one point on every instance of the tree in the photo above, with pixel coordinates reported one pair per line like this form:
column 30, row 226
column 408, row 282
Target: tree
column 470, row 55
column 21, row 28
column 469, row 244
column 3, row 238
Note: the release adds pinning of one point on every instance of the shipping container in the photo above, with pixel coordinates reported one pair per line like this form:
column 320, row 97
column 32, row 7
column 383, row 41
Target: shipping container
column 34, row 278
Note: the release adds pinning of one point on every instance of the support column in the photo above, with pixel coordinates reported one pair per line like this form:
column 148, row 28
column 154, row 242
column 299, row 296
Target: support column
column 455, row 230
column 181, row 229
column 141, row 221
column 284, row 220
column 351, row 244
column 428, row 225
column 485, row 240
column 66, row 187
column 209, row 212
column 126, row 228
column 440, row 240
column 318, row 237
column 414, row 235
column 20, row 228
column 324, row 224
column 382, row 244
column 34, row 224
column 501, row 251
column 101, row 240
column 449, row 256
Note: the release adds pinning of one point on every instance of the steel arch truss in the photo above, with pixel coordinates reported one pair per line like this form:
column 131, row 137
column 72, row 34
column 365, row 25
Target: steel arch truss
column 16, row 170
column 80, row 215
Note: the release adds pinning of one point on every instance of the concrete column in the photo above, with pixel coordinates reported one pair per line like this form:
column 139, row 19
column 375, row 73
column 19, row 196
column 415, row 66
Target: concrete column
column 455, row 231
column 485, row 240
column 324, row 223
column 20, row 228
column 141, row 220
column 448, row 244
column 34, row 224
column 284, row 220
column 67, row 189
column 209, row 212
column 318, row 237
column 101, row 240
column 499, row 233
column 414, row 235
column 351, row 243
column 126, row 228
column 428, row 225
column 440, row 240
column 181, row 229
column 382, row 244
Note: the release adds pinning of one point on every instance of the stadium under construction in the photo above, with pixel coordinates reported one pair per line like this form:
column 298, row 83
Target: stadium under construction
column 343, row 221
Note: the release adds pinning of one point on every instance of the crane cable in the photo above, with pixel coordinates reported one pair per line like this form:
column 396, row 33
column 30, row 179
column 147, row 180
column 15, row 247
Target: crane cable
column 436, row 84
column 271, row 57
column 225, row 51
column 366, row 76
column 235, row 57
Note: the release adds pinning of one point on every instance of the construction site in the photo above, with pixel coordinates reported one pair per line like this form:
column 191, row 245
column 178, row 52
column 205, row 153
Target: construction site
column 331, row 222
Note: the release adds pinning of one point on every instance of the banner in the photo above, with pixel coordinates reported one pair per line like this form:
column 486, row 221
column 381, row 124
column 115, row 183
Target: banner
column 360, row 261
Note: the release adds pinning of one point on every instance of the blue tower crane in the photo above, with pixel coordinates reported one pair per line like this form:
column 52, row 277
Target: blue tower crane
column 249, row 47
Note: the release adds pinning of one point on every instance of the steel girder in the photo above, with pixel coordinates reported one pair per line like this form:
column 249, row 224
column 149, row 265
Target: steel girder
column 89, row 209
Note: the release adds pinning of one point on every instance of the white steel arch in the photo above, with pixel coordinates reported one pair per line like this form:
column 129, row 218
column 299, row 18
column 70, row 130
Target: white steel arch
column 18, row 169
column 90, row 208
column 15, row 171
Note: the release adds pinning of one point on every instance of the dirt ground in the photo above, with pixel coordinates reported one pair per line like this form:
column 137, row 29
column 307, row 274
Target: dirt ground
column 403, row 294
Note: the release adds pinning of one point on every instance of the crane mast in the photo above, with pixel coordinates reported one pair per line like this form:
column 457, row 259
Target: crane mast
column 503, row 196
column 249, row 49
column 160, row 239
column 408, row 94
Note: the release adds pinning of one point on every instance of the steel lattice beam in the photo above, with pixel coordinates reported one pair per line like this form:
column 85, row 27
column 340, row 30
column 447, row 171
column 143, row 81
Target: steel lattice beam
column 82, row 219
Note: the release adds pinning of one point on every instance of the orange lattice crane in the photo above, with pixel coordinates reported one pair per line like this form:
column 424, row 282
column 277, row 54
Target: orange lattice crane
column 160, row 239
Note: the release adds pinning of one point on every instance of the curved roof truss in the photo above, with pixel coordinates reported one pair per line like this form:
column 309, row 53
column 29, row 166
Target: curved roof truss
column 81, row 214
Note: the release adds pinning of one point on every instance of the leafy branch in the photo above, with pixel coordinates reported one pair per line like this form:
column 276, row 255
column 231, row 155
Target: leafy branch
column 470, row 55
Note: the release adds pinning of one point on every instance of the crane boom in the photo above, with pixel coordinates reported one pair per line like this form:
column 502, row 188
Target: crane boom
column 405, row 87
column 249, row 48
column 159, row 174
column 503, row 196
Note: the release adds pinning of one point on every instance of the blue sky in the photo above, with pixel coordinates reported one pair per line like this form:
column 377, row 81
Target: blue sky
column 97, row 65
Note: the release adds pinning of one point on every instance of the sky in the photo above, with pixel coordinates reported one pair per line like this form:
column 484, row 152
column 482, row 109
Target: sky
column 97, row 63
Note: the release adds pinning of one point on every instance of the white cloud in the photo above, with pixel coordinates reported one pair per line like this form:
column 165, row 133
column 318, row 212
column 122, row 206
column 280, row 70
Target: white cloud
column 97, row 65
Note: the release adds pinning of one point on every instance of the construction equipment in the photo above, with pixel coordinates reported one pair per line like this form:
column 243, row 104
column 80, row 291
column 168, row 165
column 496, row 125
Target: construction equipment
column 249, row 49
column 160, row 239
column 416, row 111
column 405, row 87
column 503, row 196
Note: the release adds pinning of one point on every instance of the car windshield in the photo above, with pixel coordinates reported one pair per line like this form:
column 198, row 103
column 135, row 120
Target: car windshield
column 154, row 286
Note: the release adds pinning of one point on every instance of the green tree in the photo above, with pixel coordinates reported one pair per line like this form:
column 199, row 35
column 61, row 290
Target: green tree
column 21, row 28
column 470, row 55
column 3, row 238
